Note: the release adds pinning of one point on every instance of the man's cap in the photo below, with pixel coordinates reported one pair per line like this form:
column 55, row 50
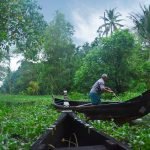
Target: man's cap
column 104, row 75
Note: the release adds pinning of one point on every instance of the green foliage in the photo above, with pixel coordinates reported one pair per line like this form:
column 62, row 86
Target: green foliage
column 142, row 22
column 59, row 54
column 21, row 31
column 127, row 95
column 142, row 25
column 78, row 96
column 146, row 73
column 33, row 88
column 89, row 70
column 119, row 47
column 136, row 136
column 20, row 78
column 3, row 71
column 23, row 119
column 22, row 25
column 58, row 42
column 139, row 70
column 63, row 66
column 112, row 57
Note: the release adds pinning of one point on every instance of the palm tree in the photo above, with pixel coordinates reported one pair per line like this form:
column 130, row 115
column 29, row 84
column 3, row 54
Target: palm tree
column 142, row 25
column 142, row 22
column 111, row 22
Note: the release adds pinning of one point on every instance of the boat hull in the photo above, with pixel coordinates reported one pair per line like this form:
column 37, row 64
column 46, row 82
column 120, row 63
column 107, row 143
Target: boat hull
column 69, row 132
column 119, row 111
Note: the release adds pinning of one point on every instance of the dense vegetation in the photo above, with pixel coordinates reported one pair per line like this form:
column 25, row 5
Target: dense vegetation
column 24, row 118
column 52, row 62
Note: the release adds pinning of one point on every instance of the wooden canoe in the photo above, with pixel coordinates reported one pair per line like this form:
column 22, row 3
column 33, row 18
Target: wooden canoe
column 71, row 133
column 121, row 112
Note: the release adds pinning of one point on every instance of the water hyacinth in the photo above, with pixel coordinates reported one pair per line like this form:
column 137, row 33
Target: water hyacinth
column 25, row 118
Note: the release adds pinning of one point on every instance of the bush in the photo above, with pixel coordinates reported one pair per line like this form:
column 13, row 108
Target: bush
column 76, row 96
column 33, row 88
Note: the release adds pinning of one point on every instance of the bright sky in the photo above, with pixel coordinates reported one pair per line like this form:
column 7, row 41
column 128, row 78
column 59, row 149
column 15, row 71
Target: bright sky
column 84, row 15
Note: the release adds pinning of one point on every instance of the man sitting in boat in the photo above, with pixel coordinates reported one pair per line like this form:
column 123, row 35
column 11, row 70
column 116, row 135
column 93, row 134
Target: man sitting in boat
column 98, row 88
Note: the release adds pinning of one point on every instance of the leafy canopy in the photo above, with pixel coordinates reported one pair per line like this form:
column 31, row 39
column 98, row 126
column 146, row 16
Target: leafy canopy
column 21, row 25
column 112, row 57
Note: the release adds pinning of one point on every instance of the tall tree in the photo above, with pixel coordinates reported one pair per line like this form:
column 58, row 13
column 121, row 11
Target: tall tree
column 59, row 51
column 111, row 22
column 88, row 71
column 21, row 26
column 21, row 78
column 111, row 56
column 116, row 52
column 142, row 25
column 3, row 71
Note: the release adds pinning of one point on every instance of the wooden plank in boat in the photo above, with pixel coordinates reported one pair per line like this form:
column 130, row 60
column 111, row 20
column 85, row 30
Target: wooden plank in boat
column 84, row 105
column 95, row 147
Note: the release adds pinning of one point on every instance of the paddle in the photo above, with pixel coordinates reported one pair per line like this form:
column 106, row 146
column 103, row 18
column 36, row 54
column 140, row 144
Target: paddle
column 114, row 94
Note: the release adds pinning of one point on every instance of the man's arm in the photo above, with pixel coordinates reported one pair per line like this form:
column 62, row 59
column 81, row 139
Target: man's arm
column 109, row 90
column 105, row 89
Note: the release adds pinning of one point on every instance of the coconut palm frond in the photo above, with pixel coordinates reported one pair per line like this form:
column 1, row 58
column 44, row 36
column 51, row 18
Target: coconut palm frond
column 111, row 21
